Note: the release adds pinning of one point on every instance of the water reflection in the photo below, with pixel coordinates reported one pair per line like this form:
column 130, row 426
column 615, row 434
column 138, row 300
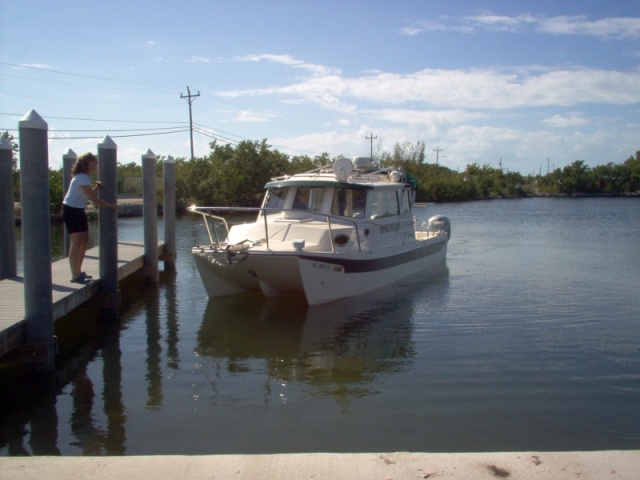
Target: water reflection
column 530, row 344
column 31, row 408
column 339, row 350
column 112, row 394
column 154, row 349
column 173, row 327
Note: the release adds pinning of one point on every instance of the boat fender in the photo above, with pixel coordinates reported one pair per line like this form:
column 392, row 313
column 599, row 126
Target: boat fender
column 232, row 250
column 229, row 254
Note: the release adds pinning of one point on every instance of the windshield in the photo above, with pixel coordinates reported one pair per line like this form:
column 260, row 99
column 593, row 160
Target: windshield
column 276, row 198
column 349, row 203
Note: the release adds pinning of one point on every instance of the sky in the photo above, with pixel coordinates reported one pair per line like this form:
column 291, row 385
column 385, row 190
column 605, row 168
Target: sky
column 520, row 85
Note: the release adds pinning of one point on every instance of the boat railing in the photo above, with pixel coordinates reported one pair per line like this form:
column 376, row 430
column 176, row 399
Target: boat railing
column 214, row 238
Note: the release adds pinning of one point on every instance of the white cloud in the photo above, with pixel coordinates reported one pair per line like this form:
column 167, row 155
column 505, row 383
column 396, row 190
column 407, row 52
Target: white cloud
column 468, row 89
column 424, row 117
column 580, row 25
column 251, row 116
column 476, row 115
column 441, row 25
column 36, row 66
column 500, row 23
column 197, row 59
column 290, row 61
column 610, row 27
column 410, row 31
column 563, row 121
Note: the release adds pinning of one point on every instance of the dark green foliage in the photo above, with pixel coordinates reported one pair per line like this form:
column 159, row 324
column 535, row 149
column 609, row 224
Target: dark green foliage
column 236, row 176
column 55, row 191
column 14, row 148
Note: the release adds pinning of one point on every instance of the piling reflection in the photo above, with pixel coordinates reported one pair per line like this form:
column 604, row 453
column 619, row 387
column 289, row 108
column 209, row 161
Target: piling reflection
column 44, row 421
column 88, row 436
column 154, row 350
column 173, row 327
column 115, row 442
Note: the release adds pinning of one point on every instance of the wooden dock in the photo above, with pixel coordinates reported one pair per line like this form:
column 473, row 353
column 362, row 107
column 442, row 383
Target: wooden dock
column 65, row 295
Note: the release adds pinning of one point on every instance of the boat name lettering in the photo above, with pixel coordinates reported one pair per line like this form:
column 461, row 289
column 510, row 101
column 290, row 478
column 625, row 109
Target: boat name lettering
column 327, row 266
column 394, row 227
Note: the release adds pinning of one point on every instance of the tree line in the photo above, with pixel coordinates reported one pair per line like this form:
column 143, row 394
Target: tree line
column 236, row 175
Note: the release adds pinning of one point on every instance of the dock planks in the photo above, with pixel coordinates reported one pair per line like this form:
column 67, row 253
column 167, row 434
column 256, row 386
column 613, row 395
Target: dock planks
column 65, row 295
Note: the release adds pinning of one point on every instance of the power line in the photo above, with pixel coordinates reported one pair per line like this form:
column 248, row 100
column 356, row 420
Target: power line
column 114, row 129
column 94, row 119
column 108, row 102
column 119, row 136
column 49, row 81
column 102, row 134
column 107, row 79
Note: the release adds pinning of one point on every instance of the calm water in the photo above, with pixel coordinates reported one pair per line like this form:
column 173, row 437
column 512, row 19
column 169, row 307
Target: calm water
column 528, row 339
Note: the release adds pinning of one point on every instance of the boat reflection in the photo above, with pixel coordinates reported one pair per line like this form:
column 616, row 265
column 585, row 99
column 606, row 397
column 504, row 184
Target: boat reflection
column 339, row 349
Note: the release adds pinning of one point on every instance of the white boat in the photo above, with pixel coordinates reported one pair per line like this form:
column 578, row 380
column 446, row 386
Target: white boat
column 331, row 233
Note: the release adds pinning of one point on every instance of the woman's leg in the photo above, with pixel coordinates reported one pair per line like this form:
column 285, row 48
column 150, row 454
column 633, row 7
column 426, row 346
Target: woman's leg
column 77, row 250
column 82, row 248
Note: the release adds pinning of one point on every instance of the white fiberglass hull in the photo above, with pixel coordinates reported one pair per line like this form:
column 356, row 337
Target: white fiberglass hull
column 321, row 277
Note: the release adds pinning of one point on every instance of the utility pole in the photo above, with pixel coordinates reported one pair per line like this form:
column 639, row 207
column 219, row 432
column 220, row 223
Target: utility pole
column 189, row 97
column 371, row 137
column 437, row 150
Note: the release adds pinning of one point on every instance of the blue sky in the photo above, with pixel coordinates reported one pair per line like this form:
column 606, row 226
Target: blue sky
column 530, row 84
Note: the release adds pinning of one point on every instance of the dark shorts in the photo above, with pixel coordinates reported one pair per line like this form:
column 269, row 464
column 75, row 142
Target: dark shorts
column 75, row 219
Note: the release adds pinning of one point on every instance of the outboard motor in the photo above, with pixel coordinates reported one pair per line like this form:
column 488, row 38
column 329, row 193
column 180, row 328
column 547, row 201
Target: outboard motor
column 439, row 225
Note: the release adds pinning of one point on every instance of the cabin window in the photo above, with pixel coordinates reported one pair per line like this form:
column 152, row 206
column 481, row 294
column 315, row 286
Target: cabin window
column 349, row 203
column 384, row 203
column 308, row 198
column 276, row 198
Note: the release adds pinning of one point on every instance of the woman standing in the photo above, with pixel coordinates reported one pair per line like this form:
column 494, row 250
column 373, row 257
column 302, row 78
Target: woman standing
column 80, row 191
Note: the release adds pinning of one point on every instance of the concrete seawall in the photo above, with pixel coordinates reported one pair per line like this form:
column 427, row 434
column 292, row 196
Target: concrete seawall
column 620, row 465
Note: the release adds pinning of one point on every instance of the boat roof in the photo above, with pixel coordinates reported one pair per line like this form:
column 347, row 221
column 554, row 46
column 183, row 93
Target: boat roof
column 358, row 179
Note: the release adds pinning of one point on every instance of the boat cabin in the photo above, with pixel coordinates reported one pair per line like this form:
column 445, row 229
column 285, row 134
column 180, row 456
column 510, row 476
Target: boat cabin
column 364, row 195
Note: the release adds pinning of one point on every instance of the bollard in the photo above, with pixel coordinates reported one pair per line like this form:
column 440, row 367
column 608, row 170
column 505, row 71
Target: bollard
column 68, row 160
column 108, row 221
column 150, row 216
column 36, row 220
column 169, row 213
column 8, row 262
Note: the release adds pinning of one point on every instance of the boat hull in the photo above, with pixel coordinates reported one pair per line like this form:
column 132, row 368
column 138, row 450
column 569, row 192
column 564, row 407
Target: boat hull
column 321, row 277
